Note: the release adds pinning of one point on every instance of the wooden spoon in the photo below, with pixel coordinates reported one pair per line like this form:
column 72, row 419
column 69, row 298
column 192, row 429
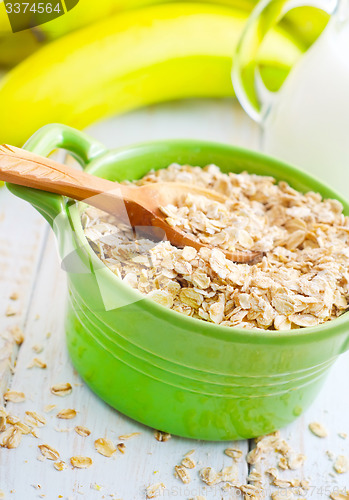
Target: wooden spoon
column 141, row 202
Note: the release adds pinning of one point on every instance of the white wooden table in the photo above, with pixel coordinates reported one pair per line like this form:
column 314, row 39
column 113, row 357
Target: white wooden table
column 29, row 266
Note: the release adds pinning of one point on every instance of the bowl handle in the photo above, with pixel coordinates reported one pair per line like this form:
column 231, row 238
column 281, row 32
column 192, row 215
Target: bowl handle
column 43, row 142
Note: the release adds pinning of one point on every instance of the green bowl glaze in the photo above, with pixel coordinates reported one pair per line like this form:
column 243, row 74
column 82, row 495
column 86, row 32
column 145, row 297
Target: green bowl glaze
column 178, row 374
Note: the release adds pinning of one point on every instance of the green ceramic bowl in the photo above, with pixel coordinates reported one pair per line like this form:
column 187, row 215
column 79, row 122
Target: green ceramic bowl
column 168, row 371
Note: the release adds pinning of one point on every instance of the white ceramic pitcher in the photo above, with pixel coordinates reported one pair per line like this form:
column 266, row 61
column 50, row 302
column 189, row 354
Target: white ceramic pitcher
column 307, row 121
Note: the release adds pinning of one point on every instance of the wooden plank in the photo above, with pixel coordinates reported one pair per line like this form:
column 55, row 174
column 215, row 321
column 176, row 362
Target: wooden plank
column 22, row 237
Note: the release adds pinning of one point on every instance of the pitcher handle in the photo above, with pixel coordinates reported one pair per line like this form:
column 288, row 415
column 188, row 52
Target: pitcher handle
column 250, row 90
column 43, row 142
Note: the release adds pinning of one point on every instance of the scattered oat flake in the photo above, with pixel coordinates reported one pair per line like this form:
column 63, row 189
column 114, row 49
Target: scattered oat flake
column 2, row 495
column 48, row 452
column 209, row 476
column 124, row 437
column 254, row 455
column 188, row 462
column 296, row 460
column 12, row 419
column 17, row 334
column 14, row 296
column 35, row 433
column 49, row 408
column 228, row 473
column 14, row 396
column 10, row 311
column 155, row 490
column 37, row 348
column 66, row 414
column 10, row 438
column 162, row 436
column 343, row 435
column 36, row 362
column 339, row 496
column 318, row 429
column 272, row 472
column 341, row 464
column 305, row 484
column 283, row 463
column 250, row 491
column 34, row 419
column 234, row 453
column 82, row 431
column 182, row 474
column 282, row 483
column 121, row 447
column 61, row 389
column 24, row 428
column 3, row 415
column 105, row 447
column 254, row 477
column 81, row 462
column 60, row 465
column 282, row 495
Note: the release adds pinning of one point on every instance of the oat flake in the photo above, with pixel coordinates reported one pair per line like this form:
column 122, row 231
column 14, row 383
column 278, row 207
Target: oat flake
column 155, row 490
column 81, row 462
column 105, row 447
column 61, row 389
column 38, row 363
column 182, row 473
column 234, row 453
column 162, row 436
column 124, row 437
column 188, row 462
column 318, row 429
column 17, row 334
column 82, row 431
column 60, row 465
column 48, row 452
column 10, row 438
column 14, row 396
column 66, row 414
column 341, row 464
column 339, row 496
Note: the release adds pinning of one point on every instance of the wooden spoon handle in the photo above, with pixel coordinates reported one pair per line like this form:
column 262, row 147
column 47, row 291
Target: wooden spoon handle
column 27, row 169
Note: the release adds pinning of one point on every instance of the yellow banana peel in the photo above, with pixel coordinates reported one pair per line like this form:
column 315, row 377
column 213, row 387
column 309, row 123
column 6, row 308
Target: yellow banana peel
column 133, row 59
column 304, row 23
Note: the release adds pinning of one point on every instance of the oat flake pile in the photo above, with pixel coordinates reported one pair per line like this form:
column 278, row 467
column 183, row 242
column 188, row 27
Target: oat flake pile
column 301, row 281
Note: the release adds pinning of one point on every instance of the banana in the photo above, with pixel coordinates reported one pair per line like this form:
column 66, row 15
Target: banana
column 306, row 23
column 133, row 59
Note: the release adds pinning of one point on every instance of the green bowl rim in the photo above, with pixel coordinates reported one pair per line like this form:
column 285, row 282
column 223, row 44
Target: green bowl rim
column 306, row 334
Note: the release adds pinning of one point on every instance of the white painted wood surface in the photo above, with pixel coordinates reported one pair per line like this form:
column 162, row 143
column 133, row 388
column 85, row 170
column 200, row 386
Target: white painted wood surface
column 29, row 266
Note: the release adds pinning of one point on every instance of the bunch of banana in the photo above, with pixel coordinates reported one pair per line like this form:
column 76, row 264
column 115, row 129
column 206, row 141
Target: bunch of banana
column 158, row 53
column 306, row 23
